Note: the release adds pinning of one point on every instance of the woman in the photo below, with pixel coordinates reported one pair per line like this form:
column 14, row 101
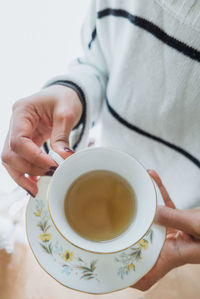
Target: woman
column 138, row 79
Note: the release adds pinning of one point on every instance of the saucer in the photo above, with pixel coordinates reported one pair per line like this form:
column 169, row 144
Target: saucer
column 84, row 271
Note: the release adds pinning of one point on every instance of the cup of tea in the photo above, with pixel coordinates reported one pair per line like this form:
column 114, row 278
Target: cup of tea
column 101, row 200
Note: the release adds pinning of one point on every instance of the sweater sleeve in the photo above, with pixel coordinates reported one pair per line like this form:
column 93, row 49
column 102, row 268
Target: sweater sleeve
column 88, row 77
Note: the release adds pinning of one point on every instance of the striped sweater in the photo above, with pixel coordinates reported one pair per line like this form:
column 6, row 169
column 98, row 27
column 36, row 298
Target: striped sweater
column 139, row 78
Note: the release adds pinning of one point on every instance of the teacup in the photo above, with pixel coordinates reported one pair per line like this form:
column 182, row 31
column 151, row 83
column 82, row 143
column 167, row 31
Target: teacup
column 107, row 159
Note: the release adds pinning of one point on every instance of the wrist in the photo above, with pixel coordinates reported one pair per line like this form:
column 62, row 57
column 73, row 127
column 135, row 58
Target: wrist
column 62, row 95
column 74, row 103
column 70, row 90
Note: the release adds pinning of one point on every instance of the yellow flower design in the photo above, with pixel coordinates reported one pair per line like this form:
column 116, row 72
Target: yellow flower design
column 38, row 213
column 131, row 267
column 45, row 237
column 68, row 256
column 144, row 244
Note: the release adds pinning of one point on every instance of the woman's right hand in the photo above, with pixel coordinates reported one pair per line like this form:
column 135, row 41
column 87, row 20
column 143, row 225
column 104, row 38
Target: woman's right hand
column 51, row 113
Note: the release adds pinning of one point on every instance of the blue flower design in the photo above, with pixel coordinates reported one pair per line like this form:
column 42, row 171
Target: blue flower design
column 66, row 270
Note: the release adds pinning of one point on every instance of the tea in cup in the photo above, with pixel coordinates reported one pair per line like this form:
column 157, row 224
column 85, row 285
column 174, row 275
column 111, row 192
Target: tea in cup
column 101, row 200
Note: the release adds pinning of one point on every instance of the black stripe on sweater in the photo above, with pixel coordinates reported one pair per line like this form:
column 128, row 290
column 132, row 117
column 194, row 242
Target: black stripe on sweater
column 155, row 138
column 151, row 28
column 94, row 34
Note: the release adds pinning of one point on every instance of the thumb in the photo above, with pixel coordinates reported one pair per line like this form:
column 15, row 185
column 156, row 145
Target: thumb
column 59, row 141
column 168, row 215
column 174, row 218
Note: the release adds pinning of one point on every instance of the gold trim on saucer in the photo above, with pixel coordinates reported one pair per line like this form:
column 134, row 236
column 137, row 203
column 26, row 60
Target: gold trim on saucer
column 90, row 293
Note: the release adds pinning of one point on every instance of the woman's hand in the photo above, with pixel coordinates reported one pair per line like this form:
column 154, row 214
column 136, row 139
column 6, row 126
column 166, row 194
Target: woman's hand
column 182, row 244
column 51, row 113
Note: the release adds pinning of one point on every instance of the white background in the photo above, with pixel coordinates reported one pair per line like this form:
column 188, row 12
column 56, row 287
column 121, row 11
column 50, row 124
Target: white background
column 38, row 38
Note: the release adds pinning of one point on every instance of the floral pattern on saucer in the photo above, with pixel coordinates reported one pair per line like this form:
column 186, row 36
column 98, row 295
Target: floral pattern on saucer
column 134, row 254
column 81, row 270
column 71, row 262
column 68, row 260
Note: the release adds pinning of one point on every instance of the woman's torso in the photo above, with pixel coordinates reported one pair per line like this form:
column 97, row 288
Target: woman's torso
column 152, row 110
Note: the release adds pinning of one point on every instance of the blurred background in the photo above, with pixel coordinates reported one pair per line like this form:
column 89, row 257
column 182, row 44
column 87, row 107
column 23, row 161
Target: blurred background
column 38, row 39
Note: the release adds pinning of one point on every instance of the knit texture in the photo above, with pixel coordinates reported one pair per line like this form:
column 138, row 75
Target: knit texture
column 140, row 77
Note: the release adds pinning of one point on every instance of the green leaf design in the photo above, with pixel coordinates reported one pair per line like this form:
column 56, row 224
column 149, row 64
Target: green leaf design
column 93, row 265
column 150, row 234
column 88, row 272
column 86, row 275
column 90, row 278
column 43, row 225
column 137, row 253
column 50, row 248
column 46, row 228
column 40, row 226
column 85, row 271
column 47, row 248
column 84, row 268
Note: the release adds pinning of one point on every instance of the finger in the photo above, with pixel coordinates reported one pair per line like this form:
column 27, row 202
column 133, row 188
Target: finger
column 62, row 126
column 189, row 248
column 13, row 160
column 28, row 185
column 176, row 219
column 20, row 142
column 23, row 166
column 33, row 178
column 168, row 202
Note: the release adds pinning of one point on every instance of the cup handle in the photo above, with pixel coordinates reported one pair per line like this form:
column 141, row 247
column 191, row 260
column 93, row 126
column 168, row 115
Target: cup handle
column 56, row 157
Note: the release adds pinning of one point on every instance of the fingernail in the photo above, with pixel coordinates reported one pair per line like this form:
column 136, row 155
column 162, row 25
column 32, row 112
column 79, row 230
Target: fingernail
column 67, row 149
column 29, row 193
column 53, row 167
column 50, row 173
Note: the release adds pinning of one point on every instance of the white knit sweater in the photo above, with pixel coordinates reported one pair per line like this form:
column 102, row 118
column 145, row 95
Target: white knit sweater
column 140, row 78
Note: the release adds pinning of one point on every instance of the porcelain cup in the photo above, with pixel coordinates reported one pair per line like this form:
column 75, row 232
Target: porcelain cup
column 99, row 158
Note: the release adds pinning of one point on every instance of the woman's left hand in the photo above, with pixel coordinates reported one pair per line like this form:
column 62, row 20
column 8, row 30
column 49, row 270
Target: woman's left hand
column 182, row 244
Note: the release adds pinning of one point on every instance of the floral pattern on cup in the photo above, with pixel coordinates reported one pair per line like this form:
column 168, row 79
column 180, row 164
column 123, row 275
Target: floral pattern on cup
column 70, row 262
